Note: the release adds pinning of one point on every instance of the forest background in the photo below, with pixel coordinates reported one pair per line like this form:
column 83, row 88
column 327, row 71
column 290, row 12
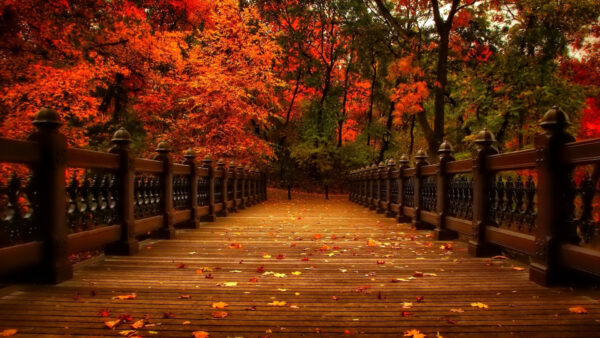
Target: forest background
column 306, row 88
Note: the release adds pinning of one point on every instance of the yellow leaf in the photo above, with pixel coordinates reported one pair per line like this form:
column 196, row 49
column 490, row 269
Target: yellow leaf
column 578, row 309
column 277, row 303
column 479, row 305
column 127, row 333
column 279, row 275
column 219, row 305
column 266, row 256
column 414, row 333
column 296, row 273
column 230, row 284
column 124, row 297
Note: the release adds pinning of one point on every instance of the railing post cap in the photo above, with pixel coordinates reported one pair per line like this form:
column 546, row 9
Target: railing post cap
column 555, row 119
column 421, row 155
column 47, row 118
column 221, row 162
column 163, row 147
column 445, row 148
column 121, row 136
column 373, row 166
column 189, row 154
column 485, row 137
column 381, row 164
column 403, row 159
column 207, row 158
column 391, row 162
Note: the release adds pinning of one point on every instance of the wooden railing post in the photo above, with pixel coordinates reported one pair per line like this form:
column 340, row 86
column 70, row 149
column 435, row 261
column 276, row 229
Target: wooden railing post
column 441, row 233
column 242, row 179
column 223, row 170
column 482, row 179
column 554, row 197
column 382, row 179
column 207, row 163
column 190, row 160
column 248, row 184
column 420, row 160
column 49, row 182
column 374, row 191
column 363, row 186
column 402, row 165
column 128, row 244
column 167, row 230
column 392, row 174
column 233, row 181
column 255, row 185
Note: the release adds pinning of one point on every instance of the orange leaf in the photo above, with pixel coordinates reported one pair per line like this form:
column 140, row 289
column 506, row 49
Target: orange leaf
column 200, row 334
column 219, row 314
column 317, row 236
column 517, row 268
column 112, row 324
column 8, row 332
column 235, row 246
column 185, row 297
column 138, row 325
column 578, row 309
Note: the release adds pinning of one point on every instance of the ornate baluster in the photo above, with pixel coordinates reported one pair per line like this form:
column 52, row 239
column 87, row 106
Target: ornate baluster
column 509, row 192
column 101, row 197
column 72, row 206
column 32, row 230
column 500, row 202
column 586, row 221
column 139, row 197
column 470, row 198
column 530, row 191
column 15, row 231
column 518, row 211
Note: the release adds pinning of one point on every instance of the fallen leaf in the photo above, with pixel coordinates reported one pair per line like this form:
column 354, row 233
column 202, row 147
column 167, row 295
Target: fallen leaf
column 280, row 256
column 279, row 275
column 125, row 297
column 479, row 305
column 138, row 325
column 104, row 313
column 406, row 314
column 517, row 268
column 406, row 305
column 253, row 280
column 219, row 305
column 266, row 256
column 380, row 262
column 418, row 274
column 199, row 271
column 180, row 266
column 414, row 333
column 219, row 314
column 235, row 246
column 578, row 309
column 277, row 303
column 168, row 315
column 499, row 257
column 112, row 324
column 371, row 243
column 317, row 236
column 230, row 284
column 185, row 297
column 187, row 322
column 420, row 299
column 8, row 332
column 296, row 273
column 200, row 334
column 127, row 333
column 457, row 310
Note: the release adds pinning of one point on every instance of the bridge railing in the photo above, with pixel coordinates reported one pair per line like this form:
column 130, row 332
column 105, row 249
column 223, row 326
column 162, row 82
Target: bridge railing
column 543, row 203
column 59, row 201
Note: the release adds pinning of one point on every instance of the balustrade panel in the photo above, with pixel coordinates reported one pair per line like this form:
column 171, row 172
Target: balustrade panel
column 147, row 195
column 513, row 201
column 17, row 207
column 460, row 196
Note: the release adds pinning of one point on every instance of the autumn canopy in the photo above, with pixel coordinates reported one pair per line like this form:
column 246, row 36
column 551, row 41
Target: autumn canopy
column 312, row 87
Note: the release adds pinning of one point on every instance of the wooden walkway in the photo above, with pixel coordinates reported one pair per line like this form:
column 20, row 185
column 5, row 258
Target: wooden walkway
column 306, row 267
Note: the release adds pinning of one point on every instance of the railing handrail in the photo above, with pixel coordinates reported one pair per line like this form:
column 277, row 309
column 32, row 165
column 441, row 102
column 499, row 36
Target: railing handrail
column 48, row 156
column 541, row 207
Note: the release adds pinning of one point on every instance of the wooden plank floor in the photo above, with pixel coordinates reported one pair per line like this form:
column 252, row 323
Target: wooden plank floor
column 340, row 269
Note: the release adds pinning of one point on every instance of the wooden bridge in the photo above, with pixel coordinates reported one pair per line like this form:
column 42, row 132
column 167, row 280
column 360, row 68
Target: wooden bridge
column 301, row 267
column 159, row 261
